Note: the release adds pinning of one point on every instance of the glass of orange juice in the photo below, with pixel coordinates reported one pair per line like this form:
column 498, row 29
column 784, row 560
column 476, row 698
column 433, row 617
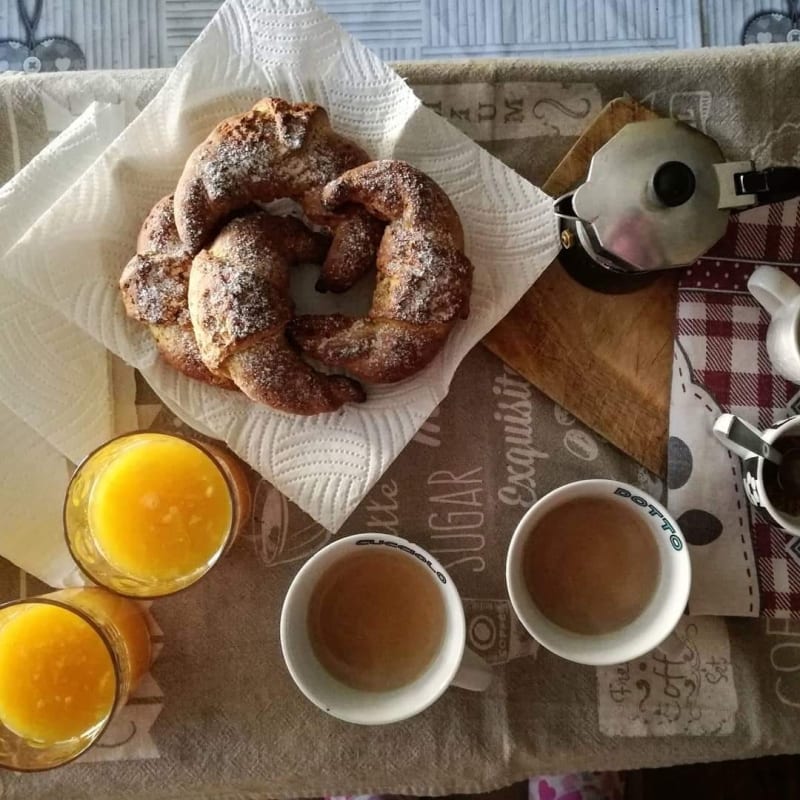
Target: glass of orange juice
column 68, row 660
column 148, row 514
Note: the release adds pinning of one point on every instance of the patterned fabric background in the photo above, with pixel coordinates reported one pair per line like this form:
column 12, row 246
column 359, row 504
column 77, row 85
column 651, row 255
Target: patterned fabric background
column 733, row 692
column 128, row 34
column 721, row 330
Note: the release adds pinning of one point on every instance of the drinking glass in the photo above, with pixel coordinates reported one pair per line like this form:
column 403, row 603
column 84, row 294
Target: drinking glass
column 82, row 534
column 68, row 660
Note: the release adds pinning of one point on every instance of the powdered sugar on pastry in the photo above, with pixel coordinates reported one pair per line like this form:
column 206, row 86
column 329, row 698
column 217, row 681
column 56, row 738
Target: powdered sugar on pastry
column 424, row 278
column 239, row 305
column 277, row 149
column 154, row 287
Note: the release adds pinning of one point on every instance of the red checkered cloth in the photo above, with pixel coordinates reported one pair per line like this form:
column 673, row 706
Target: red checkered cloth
column 722, row 330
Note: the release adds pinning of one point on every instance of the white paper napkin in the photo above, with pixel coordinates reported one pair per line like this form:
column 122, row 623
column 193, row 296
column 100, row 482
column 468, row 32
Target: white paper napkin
column 33, row 478
column 57, row 400
column 52, row 374
column 72, row 257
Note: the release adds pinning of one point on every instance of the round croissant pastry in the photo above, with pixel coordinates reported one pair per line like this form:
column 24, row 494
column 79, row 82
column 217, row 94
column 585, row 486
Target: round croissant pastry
column 276, row 150
column 424, row 278
column 154, row 284
column 239, row 305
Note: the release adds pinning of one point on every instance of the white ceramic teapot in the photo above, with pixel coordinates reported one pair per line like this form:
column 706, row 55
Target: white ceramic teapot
column 780, row 296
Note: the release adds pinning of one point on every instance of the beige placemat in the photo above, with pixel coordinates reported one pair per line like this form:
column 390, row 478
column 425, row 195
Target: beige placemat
column 220, row 717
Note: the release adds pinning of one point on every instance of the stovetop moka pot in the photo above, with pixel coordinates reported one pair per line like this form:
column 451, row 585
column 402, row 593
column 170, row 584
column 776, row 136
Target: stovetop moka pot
column 659, row 194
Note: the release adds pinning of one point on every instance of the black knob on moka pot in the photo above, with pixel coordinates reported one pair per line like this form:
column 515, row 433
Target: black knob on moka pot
column 673, row 184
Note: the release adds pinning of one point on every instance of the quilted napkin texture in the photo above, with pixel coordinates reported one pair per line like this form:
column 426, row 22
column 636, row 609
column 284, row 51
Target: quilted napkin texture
column 71, row 258
column 52, row 375
column 56, row 398
column 33, row 479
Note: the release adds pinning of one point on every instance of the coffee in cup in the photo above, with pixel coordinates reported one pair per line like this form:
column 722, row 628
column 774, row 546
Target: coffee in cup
column 591, row 565
column 376, row 620
column 598, row 572
column 373, row 631
column 772, row 488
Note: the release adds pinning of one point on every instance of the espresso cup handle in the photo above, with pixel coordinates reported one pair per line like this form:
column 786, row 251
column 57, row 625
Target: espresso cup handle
column 772, row 288
column 473, row 674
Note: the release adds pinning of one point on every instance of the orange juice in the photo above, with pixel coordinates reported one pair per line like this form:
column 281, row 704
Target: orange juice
column 57, row 678
column 161, row 509
column 126, row 623
column 67, row 660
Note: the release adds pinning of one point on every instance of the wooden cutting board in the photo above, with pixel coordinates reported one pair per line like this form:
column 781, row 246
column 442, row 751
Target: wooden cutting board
column 605, row 358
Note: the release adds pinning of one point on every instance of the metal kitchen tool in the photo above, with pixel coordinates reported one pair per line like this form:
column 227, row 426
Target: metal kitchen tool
column 746, row 441
column 743, row 439
column 658, row 195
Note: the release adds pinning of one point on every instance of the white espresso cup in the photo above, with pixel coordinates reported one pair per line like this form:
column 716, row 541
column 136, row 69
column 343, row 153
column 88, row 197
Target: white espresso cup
column 780, row 296
column 652, row 628
column 453, row 665
column 754, row 466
